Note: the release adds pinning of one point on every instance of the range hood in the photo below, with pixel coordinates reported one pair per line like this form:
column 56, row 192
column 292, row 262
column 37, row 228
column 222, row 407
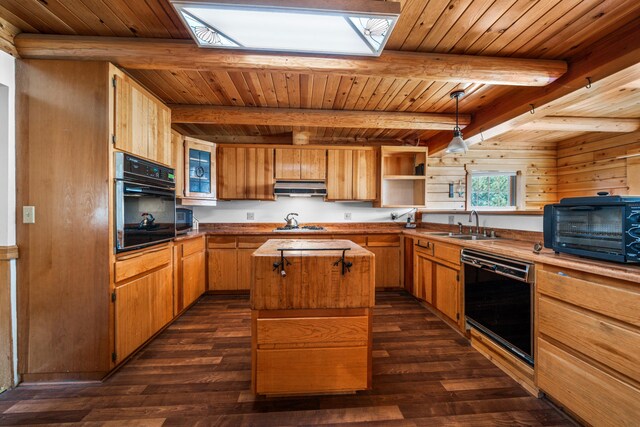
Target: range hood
column 300, row 188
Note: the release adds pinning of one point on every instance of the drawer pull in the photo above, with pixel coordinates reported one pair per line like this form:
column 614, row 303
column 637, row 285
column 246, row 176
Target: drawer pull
column 426, row 247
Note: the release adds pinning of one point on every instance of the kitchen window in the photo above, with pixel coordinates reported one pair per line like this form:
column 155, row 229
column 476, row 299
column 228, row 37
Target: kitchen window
column 493, row 190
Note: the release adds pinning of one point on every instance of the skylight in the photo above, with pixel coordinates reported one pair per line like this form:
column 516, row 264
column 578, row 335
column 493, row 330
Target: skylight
column 300, row 26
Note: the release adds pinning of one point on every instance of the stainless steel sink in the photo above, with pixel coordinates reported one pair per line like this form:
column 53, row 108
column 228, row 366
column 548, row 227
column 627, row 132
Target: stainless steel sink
column 443, row 233
column 472, row 237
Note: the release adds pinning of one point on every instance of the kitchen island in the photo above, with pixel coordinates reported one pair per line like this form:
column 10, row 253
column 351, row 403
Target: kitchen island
column 311, row 303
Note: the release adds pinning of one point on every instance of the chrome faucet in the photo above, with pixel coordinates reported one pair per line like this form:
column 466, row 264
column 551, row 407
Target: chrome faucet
column 474, row 212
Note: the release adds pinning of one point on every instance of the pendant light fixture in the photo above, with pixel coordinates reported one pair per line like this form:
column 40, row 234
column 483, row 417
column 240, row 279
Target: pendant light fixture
column 457, row 144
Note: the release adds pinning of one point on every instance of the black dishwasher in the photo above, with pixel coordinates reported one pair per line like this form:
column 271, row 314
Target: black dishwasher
column 498, row 297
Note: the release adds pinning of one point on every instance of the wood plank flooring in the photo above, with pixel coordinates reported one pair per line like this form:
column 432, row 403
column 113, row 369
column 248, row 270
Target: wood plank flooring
column 197, row 372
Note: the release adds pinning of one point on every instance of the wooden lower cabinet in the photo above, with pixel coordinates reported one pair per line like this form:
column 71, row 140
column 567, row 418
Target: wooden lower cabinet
column 436, row 277
column 142, row 306
column 387, row 266
column 586, row 344
column 422, row 276
column 229, row 261
column 189, row 272
column 243, row 277
column 447, row 281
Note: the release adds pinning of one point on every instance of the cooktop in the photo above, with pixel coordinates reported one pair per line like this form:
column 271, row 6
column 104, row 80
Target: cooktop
column 302, row 228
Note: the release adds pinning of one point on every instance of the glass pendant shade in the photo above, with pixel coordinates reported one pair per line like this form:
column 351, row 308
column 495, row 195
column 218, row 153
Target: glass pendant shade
column 457, row 144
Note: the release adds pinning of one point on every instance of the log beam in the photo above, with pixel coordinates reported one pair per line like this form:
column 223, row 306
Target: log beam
column 202, row 114
column 615, row 54
column 582, row 124
column 287, row 139
column 160, row 54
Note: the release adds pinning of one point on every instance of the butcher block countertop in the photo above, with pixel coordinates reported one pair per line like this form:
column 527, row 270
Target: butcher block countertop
column 310, row 248
column 524, row 250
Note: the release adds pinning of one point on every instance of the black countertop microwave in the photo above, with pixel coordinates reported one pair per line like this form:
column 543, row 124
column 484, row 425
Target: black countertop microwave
column 602, row 227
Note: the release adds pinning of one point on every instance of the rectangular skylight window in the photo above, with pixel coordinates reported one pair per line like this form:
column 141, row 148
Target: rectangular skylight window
column 292, row 26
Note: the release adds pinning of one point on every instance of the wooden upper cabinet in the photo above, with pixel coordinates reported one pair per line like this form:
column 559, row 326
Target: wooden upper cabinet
column 300, row 163
column 287, row 163
column 199, row 169
column 142, row 123
column 351, row 175
column 245, row 173
column 364, row 175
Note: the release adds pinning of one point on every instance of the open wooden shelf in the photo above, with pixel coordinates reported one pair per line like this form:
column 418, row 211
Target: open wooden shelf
column 403, row 177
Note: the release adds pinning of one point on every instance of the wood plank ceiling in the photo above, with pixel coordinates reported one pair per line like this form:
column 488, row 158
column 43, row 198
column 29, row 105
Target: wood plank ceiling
column 536, row 29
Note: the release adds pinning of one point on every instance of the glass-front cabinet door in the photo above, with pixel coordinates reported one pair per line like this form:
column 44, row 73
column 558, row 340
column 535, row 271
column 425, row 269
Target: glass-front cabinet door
column 199, row 169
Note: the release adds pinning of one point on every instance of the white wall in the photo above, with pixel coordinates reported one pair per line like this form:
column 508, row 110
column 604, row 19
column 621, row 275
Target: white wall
column 7, row 151
column 311, row 210
column 8, row 178
column 513, row 222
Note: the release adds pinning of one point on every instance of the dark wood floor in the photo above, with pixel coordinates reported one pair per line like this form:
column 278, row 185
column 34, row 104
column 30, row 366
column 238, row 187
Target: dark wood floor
column 197, row 372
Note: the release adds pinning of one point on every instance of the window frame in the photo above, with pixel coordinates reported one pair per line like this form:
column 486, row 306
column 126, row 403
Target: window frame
column 517, row 187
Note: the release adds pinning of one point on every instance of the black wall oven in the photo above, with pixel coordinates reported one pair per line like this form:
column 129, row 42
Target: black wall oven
column 603, row 227
column 498, row 297
column 145, row 203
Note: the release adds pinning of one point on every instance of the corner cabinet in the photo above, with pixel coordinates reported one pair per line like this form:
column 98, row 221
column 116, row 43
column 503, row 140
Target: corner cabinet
column 403, row 177
column 142, row 123
column 199, row 172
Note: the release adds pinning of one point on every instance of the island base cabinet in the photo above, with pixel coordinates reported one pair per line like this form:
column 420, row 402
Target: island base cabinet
column 326, row 351
column 314, row 370
column 143, row 306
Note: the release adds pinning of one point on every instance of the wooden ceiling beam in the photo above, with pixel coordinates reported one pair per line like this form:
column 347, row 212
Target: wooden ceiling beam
column 582, row 124
column 161, row 54
column 615, row 55
column 287, row 139
column 202, row 114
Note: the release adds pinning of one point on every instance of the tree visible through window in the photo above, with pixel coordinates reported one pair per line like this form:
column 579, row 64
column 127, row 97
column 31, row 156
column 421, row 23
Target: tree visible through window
column 493, row 189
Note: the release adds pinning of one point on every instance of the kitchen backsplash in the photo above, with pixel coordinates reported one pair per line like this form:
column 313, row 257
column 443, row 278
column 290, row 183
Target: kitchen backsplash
column 314, row 210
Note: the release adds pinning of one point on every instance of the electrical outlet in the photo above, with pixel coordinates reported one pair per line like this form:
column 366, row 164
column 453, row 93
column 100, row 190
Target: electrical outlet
column 394, row 216
column 251, row 216
column 28, row 214
column 347, row 216
column 452, row 219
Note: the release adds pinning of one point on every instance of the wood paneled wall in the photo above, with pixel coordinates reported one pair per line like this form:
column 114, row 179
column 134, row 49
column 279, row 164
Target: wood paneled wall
column 7, row 253
column 595, row 163
column 537, row 161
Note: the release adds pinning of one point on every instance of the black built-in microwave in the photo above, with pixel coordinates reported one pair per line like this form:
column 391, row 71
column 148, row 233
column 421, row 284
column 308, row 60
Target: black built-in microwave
column 602, row 227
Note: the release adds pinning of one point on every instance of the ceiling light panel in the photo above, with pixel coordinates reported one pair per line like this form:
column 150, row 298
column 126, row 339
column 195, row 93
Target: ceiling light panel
column 291, row 26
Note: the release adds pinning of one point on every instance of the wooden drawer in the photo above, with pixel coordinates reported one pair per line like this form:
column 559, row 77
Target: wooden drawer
column 252, row 242
column 602, row 339
column 591, row 292
column 221, row 242
column 593, row 395
column 313, row 331
column 132, row 265
column 384, row 240
column 424, row 247
column 358, row 240
column 311, row 370
column 192, row 246
column 449, row 253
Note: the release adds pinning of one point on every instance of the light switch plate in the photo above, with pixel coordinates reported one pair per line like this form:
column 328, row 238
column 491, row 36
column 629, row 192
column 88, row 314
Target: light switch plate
column 28, row 214
column 347, row 216
column 251, row 216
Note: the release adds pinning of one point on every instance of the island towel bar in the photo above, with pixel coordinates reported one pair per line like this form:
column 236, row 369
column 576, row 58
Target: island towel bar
column 346, row 265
